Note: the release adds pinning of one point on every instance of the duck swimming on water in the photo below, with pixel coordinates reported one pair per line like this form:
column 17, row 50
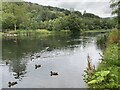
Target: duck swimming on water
column 37, row 66
column 11, row 84
column 53, row 73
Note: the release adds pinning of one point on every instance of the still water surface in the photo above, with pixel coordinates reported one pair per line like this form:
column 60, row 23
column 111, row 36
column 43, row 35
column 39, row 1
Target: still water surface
column 60, row 53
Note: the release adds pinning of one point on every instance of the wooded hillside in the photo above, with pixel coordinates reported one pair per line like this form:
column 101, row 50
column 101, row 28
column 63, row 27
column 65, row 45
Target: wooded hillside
column 27, row 16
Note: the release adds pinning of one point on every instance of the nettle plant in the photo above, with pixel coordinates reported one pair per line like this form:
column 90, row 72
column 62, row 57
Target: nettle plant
column 99, row 79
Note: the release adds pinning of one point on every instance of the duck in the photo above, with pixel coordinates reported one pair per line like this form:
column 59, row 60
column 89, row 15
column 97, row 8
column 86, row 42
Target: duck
column 18, row 74
column 53, row 73
column 31, row 57
column 11, row 84
column 37, row 66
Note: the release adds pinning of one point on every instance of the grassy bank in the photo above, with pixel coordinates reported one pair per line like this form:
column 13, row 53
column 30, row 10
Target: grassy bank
column 34, row 32
column 47, row 32
column 27, row 32
column 108, row 72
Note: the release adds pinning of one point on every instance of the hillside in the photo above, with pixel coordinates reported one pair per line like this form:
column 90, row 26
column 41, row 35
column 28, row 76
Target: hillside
column 27, row 15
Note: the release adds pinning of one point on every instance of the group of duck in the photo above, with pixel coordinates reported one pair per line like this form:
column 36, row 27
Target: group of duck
column 38, row 56
column 10, row 84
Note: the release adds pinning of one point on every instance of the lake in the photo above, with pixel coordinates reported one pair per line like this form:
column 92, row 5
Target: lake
column 64, row 54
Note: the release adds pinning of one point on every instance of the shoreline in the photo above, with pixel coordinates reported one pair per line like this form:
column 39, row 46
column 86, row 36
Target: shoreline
column 107, row 73
column 46, row 32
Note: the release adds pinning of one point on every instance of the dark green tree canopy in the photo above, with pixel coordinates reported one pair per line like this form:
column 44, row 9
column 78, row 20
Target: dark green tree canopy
column 27, row 15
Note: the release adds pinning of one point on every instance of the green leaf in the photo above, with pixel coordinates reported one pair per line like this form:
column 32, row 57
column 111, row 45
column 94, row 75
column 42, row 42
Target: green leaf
column 104, row 73
column 100, row 79
column 93, row 82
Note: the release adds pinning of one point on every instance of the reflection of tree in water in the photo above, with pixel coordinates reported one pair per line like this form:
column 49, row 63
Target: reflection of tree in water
column 17, row 64
column 84, row 41
column 75, row 35
column 19, row 69
column 31, row 45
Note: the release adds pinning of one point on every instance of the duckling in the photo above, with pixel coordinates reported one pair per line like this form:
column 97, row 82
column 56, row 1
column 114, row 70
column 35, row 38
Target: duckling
column 32, row 58
column 18, row 74
column 11, row 84
column 53, row 73
column 38, row 56
column 37, row 66
column 31, row 55
column 48, row 49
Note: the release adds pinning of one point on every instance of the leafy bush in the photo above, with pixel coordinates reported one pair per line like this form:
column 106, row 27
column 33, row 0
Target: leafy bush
column 108, row 72
column 103, row 79
column 111, row 55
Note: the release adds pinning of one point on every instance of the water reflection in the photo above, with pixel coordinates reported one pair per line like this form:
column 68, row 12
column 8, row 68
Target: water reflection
column 61, row 53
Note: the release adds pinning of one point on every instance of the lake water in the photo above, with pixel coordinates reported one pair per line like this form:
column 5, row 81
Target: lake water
column 59, row 53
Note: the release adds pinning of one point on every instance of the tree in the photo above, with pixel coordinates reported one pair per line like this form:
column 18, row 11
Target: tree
column 74, row 24
column 115, row 5
column 26, row 15
column 8, row 21
column 14, row 13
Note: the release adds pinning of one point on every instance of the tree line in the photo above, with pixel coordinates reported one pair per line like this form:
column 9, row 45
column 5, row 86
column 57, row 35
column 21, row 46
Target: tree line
column 27, row 16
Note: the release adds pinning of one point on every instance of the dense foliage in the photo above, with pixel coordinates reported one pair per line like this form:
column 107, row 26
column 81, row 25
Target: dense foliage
column 107, row 74
column 115, row 5
column 26, row 15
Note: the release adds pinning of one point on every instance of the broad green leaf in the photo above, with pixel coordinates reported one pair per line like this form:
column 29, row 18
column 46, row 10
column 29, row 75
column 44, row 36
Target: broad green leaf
column 100, row 79
column 93, row 82
column 104, row 73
